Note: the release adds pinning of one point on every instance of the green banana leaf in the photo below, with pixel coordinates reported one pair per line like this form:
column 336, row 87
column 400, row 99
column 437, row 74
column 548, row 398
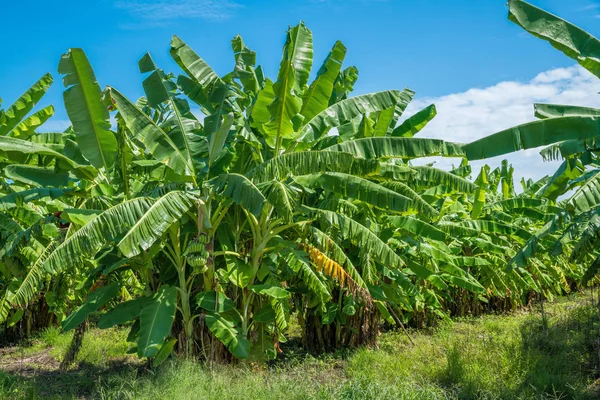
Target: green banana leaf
column 297, row 261
column 24, row 104
column 88, row 240
column 417, row 227
column 281, row 197
column 241, row 190
column 569, row 39
column 356, row 188
column 397, row 147
column 328, row 246
column 245, row 61
column 89, row 116
column 9, row 147
column 543, row 111
column 415, row 123
column 294, row 70
column 17, row 199
column 123, row 312
column 193, row 65
column 26, row 128
column 94, row 301
column 36, row 176
column 345, row 111
column 155, row 222
column 229, row 334
column 362, row 236
column 312, row 162
column 156, row 319
column 157, row 141
column 533, row 134
column 319, row 92
column 587, row 196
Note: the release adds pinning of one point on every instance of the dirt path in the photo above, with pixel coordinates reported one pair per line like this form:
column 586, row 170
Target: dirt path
column 13, row 361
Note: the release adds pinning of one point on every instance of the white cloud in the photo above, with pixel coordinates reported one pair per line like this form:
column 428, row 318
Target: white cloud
column 471, row 115
column 166, row 12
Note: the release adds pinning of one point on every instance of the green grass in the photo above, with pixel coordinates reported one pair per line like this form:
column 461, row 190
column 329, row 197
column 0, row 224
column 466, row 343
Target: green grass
column 493, row 357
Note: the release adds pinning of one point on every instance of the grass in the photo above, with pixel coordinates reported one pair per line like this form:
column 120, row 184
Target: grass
column 492, row 357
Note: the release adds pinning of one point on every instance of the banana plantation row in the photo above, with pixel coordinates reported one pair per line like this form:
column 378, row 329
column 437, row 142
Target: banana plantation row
column 285, row 199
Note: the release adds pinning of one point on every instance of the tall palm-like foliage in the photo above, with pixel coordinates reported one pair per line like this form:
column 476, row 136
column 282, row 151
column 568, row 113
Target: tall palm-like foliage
column 207, row 231
column 570, row 133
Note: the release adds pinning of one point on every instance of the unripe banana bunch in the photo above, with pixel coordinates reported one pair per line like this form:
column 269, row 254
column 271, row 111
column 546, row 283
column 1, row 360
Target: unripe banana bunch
column 196, row 253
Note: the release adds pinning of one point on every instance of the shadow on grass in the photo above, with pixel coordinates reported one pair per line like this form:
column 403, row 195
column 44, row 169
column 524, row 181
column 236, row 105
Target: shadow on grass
column 557, row 360
column 78, row 382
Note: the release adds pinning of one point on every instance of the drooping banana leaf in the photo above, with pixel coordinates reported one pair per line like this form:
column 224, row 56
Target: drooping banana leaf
column 531, row 247
column 417, row 227
column 157, row 141
column 496, row 228
column 571, row 40
column 156, row 319
column 17, row 199
column 533, row 134
column 159, row 88
column 519, row 202
column 36, row 176
column 568, row 148
column 229, row 334
column 241, row 190
column 326, row 244
column 298, row 262
column 11, row 146
column 362, row 236
column 543, row 111
column 34, row 278
column 345, row 111
column 587, row 196
column 589, row 238
column 163, row 213
column 356, row 188
column 397, row 147
column 417, row 202
column 88, row 240
column 94, row 301
column 312, row 162
column 429, row 177
column 281, row 197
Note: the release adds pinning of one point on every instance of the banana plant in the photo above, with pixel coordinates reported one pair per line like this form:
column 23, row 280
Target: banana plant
column 569, row 132
column 216, row 207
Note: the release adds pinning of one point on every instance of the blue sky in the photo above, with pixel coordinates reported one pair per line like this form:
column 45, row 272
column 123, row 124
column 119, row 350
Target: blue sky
column 435, row 47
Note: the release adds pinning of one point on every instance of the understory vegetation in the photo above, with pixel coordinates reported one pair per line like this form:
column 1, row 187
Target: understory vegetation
column 516, row 356
column 269, row 227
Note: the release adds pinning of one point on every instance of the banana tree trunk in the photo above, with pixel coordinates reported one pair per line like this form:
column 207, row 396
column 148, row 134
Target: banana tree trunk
column 359, row 330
